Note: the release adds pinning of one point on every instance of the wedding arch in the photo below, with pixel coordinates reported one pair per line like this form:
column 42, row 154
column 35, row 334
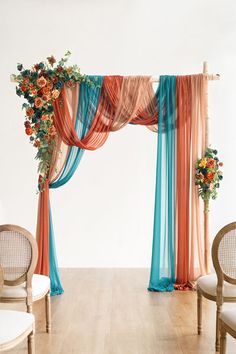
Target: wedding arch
column 68, row 113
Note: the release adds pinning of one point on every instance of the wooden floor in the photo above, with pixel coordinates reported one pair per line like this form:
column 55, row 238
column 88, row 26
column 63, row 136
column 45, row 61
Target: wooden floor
column 109, row 311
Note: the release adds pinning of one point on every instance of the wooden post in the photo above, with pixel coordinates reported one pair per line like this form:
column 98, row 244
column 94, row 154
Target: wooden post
column 206, row 203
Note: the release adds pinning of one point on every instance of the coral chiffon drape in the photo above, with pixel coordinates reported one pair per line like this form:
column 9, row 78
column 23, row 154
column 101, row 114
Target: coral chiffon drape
column 181, row 136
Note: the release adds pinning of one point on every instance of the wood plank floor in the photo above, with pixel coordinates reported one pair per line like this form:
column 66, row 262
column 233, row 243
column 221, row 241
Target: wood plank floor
column 109, row 311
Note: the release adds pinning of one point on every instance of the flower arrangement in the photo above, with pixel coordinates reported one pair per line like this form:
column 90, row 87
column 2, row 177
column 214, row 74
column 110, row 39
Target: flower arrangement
column 40, row 86
column 208, row 176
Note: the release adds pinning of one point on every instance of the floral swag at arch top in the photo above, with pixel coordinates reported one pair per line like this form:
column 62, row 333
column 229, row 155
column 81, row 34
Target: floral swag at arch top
column 69, row 113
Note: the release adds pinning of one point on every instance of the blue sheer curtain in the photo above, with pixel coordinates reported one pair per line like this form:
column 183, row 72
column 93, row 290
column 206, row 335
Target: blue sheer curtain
column 89, row 96
column 162, row 275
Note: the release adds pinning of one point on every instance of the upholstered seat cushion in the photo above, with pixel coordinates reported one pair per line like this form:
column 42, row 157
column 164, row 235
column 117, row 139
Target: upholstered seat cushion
column 229, row 317
column 40, row 287
column 208, row 284
column 13, row 324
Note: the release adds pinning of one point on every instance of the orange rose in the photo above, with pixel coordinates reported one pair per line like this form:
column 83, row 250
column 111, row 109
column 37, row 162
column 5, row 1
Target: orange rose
column 211, row 163
column 44, row 117
column 24, row 88
column 55, row 94
column 45, row 91
column 29, row 112
column 38, row 102
column 41, row 82
column 210, row 176
column 34, row 92
column 29, row 131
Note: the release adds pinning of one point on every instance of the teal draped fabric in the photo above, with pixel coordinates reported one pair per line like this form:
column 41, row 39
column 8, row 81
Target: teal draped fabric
column 162, row 275
column 89, row 96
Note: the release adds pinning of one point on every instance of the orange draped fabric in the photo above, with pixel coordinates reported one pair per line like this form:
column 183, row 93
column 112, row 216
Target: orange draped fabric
column 58, row 160
column 42, row 232
column 122, row 100
column 191, row 128
column 126, row 100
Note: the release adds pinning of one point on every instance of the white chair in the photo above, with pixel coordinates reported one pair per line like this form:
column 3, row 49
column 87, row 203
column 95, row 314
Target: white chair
column 208, row 286
column 18, row 258
column 224, row 261
column 15, row 326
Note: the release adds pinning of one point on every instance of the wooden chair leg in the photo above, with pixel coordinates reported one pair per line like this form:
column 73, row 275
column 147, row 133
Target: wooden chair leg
column 31, row 343
column 218, row 312
column 29, row 308
column 48, row 312
column 222, row 339
column 199, row 312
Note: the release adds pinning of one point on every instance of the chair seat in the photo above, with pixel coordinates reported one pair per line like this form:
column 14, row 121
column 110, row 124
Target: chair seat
column 229, row 317
column 13, row 324
column 208, row 284
column 40, row 287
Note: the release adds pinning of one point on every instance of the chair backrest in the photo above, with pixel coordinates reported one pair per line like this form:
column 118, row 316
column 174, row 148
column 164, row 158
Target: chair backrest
column 224, row 256
column 18, row 254
column 1, row 279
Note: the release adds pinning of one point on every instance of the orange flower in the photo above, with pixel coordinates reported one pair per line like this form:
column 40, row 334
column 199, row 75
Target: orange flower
column 41, row 82
column 44, row 117
column 55, row 94
column 24, row 88
column 38, row 102
column 210, row 176
column 29, row 112
column 45, row 91
column 70, row 83
column 29, row 131
column 26, row 81
column 51, row 60
column 50, row 84
column 52, row 130
column 34, row 92
column 46, row 97
column 220, row 164
column 211, row 163
column 37, row 143
column 69, row 70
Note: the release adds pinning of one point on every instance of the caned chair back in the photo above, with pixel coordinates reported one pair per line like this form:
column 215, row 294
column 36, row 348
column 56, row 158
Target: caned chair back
column 224, row 255
column 1, row 279
column 18, row 254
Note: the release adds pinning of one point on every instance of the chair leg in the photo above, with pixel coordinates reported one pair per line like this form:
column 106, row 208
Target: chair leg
column 218, row 312
column 199, row 312
column 48, row 312
column 222, row 339
column 31, row 343
column 29, row 308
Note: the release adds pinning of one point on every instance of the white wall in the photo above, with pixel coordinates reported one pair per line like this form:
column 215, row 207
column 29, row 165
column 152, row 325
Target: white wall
column 103, row 216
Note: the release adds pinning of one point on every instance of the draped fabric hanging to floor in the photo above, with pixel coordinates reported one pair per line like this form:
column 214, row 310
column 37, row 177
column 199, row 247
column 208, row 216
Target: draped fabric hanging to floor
column 84, row 117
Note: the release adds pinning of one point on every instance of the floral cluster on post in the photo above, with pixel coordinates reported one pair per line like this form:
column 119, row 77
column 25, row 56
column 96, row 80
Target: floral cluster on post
column 208, row 176
column 40, row 86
